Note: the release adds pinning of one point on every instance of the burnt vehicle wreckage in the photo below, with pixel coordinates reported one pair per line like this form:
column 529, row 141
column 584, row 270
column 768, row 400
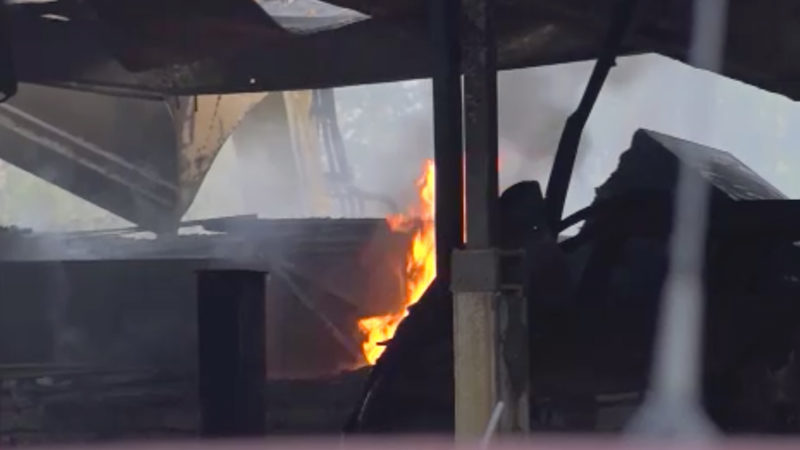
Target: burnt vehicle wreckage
column 592, row 299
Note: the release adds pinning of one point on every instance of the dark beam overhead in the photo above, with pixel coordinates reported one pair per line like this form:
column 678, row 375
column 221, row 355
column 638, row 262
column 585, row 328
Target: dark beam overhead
column 393, row 44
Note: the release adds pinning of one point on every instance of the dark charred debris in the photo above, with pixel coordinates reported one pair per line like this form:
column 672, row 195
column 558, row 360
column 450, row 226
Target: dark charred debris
column 99, row 331
column 593, row 313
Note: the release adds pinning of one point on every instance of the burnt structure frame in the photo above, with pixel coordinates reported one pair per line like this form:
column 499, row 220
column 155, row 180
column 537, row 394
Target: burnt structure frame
column 564, row 163
column 480, row 188
column 469, row 171
column 479, row 379
column 474, row 188
column 447, row 125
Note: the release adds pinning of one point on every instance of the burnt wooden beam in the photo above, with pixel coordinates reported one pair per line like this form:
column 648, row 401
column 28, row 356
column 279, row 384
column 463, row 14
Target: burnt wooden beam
column 231, row 352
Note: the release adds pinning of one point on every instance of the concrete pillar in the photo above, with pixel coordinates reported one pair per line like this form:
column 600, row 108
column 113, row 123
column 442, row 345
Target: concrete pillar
column 490, row 334
column 490, row 346
column 475, row 352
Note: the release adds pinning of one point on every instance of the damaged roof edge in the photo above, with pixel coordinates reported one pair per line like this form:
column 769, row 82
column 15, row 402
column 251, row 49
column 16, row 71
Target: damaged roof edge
column 393, row 45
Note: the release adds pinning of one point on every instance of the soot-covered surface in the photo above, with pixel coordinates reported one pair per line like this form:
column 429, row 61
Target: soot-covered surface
column 72, row 404
column 98, row 333
column 590, row 352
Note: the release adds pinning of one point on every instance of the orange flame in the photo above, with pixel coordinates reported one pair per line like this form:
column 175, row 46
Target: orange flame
column 420, row 267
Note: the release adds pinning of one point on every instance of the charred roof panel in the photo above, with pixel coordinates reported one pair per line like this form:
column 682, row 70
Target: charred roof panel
column 660, row 156
column 214, row 46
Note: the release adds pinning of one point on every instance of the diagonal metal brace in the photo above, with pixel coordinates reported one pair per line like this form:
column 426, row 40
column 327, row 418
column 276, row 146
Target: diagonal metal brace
column 564, row 163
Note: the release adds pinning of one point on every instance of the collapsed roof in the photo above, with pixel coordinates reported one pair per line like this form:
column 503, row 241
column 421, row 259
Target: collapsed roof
column 139, row 159
column 187, row 47
column 145, row 160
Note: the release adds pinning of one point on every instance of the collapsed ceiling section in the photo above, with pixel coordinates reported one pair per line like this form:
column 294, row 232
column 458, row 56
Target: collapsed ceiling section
column 188, row 47
column 142, row 160
column 143, row 154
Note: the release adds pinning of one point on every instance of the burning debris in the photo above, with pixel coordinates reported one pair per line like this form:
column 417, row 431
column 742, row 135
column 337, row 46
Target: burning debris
column 420, row 266
column 592, row 348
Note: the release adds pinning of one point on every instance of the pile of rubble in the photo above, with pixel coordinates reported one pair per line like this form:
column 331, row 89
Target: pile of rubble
column 46, row 405
column 71, row 405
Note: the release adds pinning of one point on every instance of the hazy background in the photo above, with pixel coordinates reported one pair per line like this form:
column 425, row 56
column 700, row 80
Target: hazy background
column 388, row 134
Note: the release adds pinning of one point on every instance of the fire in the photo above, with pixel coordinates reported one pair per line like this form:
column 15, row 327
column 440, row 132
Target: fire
column 420, row 267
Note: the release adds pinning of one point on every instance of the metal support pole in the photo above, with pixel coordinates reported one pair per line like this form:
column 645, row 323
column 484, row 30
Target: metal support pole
column 232, row 352
column 480, row 378
column 480, row 121
column 447, row 119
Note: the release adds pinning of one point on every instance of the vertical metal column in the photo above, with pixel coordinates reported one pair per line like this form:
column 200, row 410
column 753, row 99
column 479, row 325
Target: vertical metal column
column 231, row 352
column 475, row 280
column 444, row 29
column 480, row 121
